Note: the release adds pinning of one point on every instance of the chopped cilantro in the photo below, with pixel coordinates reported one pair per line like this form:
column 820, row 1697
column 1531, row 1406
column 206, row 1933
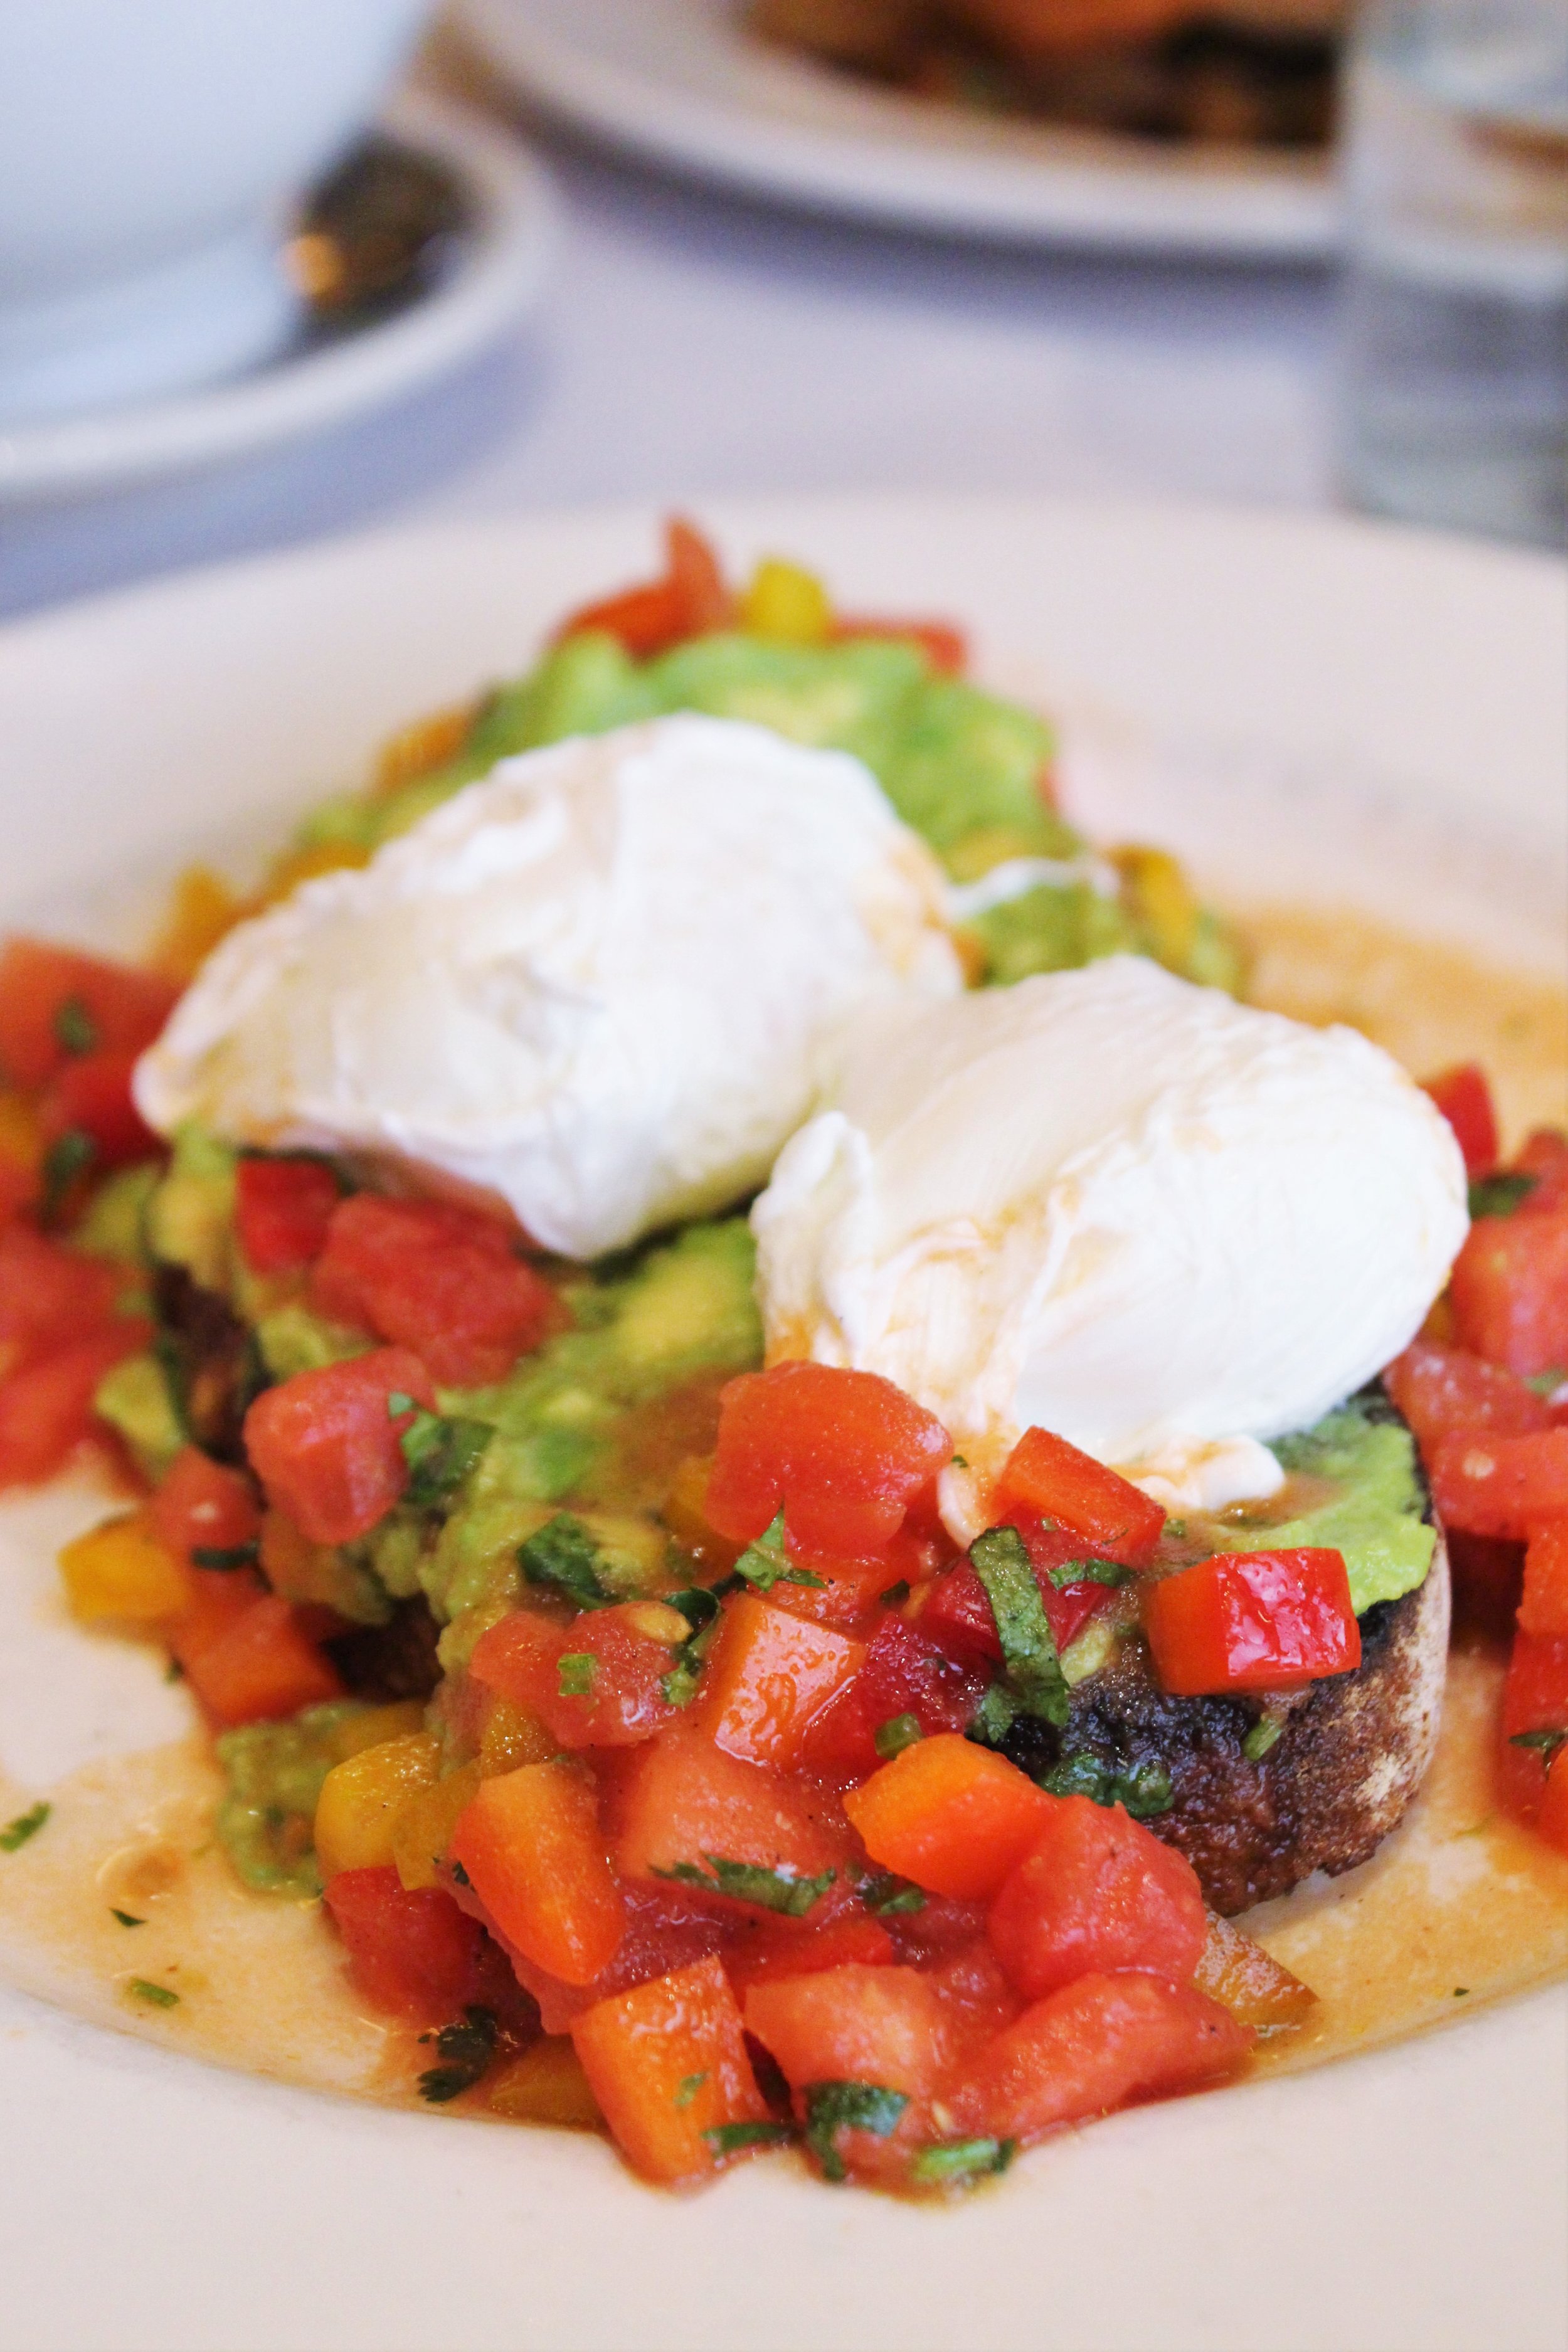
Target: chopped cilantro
column 244, row 1555
column 565, row 1557
column 440, row 1450
column 1089, row 1571
column 833, row 2107
column 465, row 2050
column 156, row 1995
column 70, row 1156
column 700, row 1607
column 959, row 1463
column 896, row 1594
column 889, row 1897
column 1462, row 1992
column 753, row 1882
column 994, row 1718
column 689, row 2088
column 958, row 2160
column 1263, row 1736
column 1032, row 1670
column 126, row 1918
column 25, row 1825
column 1547, row 1740
column 173, row 1671
column 1546, row 1384
column 697, row 1604
column 728, row 2139
column 1500, row 1196
column 575, row 1674
column 899, row 1731
column 76, row 1031
column 460, row 1875
column 765, row 1562
column 1143, row 1791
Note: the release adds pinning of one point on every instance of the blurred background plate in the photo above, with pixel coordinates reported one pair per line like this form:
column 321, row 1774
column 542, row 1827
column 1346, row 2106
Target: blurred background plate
column 480, row 265
column 684, row 82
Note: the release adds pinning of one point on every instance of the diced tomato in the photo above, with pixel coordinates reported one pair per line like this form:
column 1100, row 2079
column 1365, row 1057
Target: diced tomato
column 1098, row 2045
column 1500, row 1486
column 45, row 1408
column 1544, row 1609
column 904, row 1673
column 769, row 1674
column 55, row 1003
column 439, row 1279
column 841, row 1453
column 688, row 600
column 1551, row 1820
column 247, row 1658
column 950, row 1815
column 282, row 1209
column 1534, row 1698
column 410, row 1950
column 1253, row 1621
column 957, row 1613
column 326, row 1448
column 90, row 1096
column 977, row 2000
column 532, row 1845
column 202, row 1507
column 49, row 1294
column 1544, row 1157
column 1115, row 1520
column 944, row 646
column 1509, row 1290
column 1097, row 1892
column 667, row 2064
column 20, row 1187
column 667, row 1928
column 684, row 1799
column 621, row 1702
column 1440, row 1388
column 769, row 1952
column 1464, row 1099
column 852, row 2024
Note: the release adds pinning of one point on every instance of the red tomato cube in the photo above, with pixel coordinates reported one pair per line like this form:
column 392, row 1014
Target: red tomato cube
column 607, row 1693
column 1534, row 1699
column 1464, row 1099
column 282, row 1210
column 202, row 1506
column 841, row 1453
column 1440, row 1388
column 1252, row 1620
column 769, row 1675
column 852, row 2024
column 685, row 1800
column 49, row 1293
column 92, row 1096
column 55, row 1003
column 1097, row 1892
column 1114, row 1520
column 1543, row 1605
column 904, row 1673
column 1500, row 1486
column 326, row 1448
column 1509, row 1290
column 1544, row 1157
column 248, row 1659
column 410, row 1950
column 46, row 1407
column 440, row 1280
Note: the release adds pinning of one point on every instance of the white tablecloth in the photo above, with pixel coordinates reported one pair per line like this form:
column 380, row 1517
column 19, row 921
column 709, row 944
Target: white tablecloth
column 692, row 341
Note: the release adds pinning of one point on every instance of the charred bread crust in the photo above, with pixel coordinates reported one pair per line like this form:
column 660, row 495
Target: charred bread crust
column 1352, row 1751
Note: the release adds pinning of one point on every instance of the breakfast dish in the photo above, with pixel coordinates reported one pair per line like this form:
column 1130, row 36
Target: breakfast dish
column 832, row 1677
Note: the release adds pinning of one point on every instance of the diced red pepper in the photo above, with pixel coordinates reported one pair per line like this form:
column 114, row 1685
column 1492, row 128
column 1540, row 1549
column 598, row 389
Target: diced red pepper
column 1543, row 1607
column 245, row 1655
column 202, row 1506
column 904, row 1673
column 56, row 1004
column 1100, row 2043
column 325, row 1446
column 1440, row 1388
column 1464, row 1099
column 530, row 1844
column 1097, row 1892
column 46, row 1407
column 667, row 1928
column 768, row 1676
column 1253, row 1621
column 944, row 646
column 281, row 1212
column 1500, row 1486
column 1509, row 1290
column 687, row 602
column 608, row 1696
column 668, row 2065
column 841, row 1453
column 852, row 2024
column 410, row 1948
column 950, row 1815
column 957, row 1613
column 1534, row 1699
column 1114, row 1519
column 439, row 1279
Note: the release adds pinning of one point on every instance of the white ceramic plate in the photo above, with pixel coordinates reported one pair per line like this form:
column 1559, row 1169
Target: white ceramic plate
column 497, row 271
column 680, row 80
column 1310, row 708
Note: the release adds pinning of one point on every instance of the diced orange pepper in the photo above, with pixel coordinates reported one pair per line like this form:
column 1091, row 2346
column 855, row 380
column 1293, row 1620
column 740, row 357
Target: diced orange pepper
column 1257, row 1989
column 1543, row 1608
column 952, row 1816
column 248, row 1660
column 769, row 1674
column 530, row 1844
column 853, row 2024
column 667, row 2064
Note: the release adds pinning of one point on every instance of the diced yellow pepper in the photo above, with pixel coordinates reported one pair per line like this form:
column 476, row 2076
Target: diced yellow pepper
column 546, row 2086
column 1157, row 894
column 414, row 750
column 785, row 602
column 513, row 1737
column 422, row 1829
column 202, row 909
column 120, row 1570
column 362, row 1798
column 370, row 1727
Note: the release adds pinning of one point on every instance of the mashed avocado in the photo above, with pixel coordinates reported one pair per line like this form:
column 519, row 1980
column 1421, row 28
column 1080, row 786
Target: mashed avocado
column 1373, row 1513
column 274, row 1772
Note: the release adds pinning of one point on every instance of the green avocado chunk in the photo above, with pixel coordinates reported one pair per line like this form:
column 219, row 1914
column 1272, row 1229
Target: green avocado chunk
column 274, row 1772
column 1375, row 1517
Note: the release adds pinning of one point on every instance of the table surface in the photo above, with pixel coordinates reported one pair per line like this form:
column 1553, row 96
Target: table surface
column 694, row 343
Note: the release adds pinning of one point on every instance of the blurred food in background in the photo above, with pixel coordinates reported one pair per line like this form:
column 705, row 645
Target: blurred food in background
column 1231, row 72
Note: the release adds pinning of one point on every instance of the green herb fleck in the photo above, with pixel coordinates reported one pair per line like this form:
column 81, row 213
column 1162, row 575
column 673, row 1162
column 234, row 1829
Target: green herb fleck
column 688, row 2089
column 76, row 1031
column 1500, row 1196
column 896, row 1594
column 751, row 1882
column 1263, row 1736
column 126, row 1918
column 564, row 1556
column 173, row 1671
column 440, row 1450
column 994, row 1717
column 1546, row 1384
column 833, row 2107
column 728, row 2139
column 70, row 1156
column 889, row 1897
column 1462, row 1992
column 899, row 1731
column 465, row 2050
column 575, row 1674
column 1547, row 1740
column 156, row 1995
column 25, row 1825
column 700, row 1607
column 1032, row 1669
column 460, row 1875
column 225, row 1555
column 955, row 2162
column 766, row 1563
column 1144, row 1790
column 1089, row 1571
